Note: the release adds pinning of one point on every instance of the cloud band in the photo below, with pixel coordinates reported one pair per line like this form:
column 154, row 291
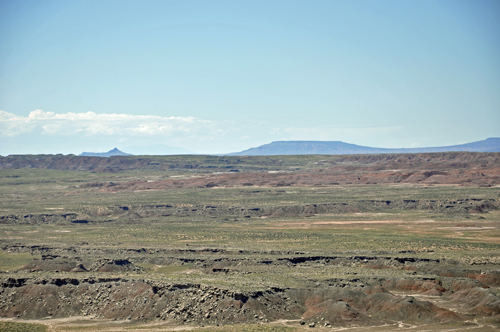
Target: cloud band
column 90, row 123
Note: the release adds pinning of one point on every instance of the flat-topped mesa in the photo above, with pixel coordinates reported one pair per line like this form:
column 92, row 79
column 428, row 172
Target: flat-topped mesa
column 340, row 148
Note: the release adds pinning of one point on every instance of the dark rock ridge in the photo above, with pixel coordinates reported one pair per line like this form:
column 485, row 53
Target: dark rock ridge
column 111, row 260
column 342, row 301
column 138, row 299
column 339, row 148
column 73, row 264
column 225, row 214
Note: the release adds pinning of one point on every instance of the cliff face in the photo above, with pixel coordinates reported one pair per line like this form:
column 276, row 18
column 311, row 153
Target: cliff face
column 120, row 163
column 459, row 168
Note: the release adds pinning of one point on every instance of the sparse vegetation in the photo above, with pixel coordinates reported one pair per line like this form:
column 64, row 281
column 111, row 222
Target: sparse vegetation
column 7, row 326
column 283, row 244
column 15, row 261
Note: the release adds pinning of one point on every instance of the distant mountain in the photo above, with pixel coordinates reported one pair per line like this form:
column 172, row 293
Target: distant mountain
column 338, row 147
column 110, row 153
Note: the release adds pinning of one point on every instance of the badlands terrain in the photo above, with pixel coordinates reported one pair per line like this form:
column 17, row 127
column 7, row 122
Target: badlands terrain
column 387, row 242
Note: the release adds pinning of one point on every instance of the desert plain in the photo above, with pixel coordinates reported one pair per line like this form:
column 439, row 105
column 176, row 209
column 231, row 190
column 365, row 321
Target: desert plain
column 389, row 242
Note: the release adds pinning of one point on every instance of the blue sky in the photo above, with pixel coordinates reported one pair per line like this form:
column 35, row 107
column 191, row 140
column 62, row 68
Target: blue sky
column 223, row 76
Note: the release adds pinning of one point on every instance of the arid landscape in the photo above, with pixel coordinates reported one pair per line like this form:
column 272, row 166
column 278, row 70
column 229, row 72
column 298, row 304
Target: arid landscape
column 387, row 242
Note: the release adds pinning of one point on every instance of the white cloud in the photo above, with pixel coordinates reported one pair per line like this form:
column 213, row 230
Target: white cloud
column 92, row 124
column 13, row 125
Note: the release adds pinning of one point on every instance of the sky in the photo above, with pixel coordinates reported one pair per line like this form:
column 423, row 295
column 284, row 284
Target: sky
column 216, row 77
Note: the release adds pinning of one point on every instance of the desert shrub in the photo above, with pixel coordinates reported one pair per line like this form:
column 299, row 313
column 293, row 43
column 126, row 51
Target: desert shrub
column 21, row 327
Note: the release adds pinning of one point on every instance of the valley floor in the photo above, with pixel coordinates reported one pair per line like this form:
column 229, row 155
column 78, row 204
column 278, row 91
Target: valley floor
column 180, row 249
